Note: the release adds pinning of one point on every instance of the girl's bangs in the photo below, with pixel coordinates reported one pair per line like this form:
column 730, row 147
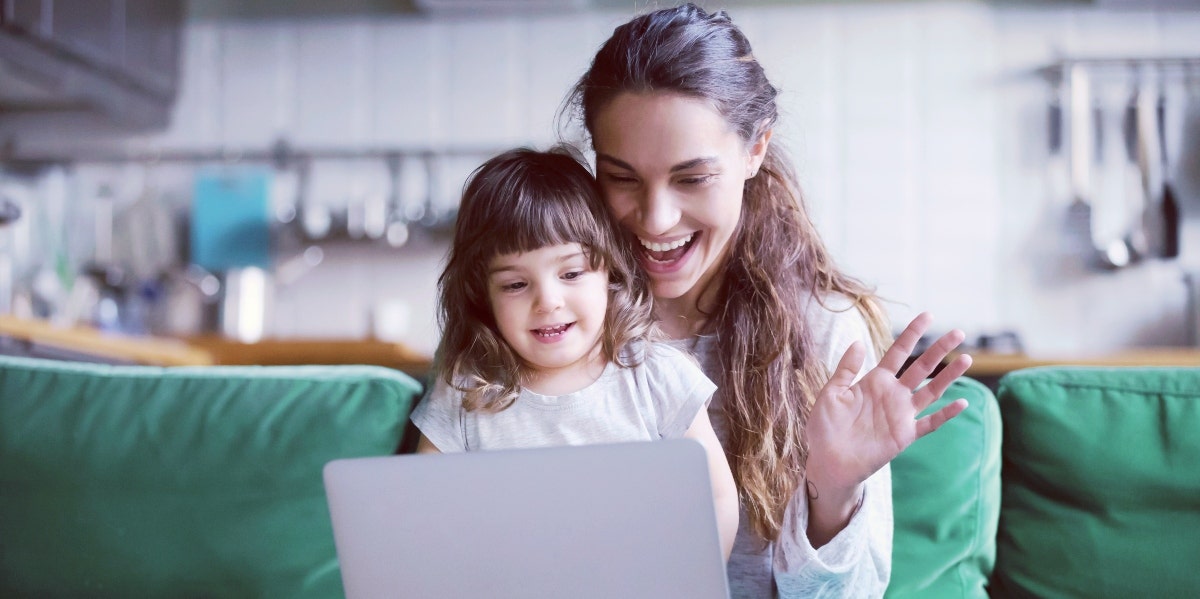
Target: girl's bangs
column 546, row 219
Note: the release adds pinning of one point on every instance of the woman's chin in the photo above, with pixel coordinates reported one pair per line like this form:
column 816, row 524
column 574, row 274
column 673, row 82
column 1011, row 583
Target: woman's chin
column 670, row 287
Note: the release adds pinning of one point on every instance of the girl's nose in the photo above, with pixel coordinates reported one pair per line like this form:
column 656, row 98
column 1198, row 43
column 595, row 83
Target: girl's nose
column 659, row 213
column 549, row 299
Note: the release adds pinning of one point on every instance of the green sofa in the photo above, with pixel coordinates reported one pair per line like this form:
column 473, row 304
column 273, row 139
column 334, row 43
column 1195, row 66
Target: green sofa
column 134, row 481
column 1068, row 482
column 138, row 481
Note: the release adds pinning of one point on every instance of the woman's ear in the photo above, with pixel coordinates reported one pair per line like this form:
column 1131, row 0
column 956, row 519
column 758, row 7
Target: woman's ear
column 758, row 152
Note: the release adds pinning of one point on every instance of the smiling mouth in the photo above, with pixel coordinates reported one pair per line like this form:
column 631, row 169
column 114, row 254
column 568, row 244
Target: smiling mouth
column 665, row 253
column 554, row 331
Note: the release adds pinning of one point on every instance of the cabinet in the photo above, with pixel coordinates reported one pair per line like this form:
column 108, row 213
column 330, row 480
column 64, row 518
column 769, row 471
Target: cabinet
column 116, row 60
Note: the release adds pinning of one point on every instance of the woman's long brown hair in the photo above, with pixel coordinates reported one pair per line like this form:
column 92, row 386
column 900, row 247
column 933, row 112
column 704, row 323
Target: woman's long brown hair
column 768, row 375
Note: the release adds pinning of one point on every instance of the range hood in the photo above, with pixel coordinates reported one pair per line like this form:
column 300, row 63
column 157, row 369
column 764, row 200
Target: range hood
column 100, row 64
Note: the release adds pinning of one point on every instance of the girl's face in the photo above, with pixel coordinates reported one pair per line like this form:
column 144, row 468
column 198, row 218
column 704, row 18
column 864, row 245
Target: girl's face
column 672, row 171
column 549, row 306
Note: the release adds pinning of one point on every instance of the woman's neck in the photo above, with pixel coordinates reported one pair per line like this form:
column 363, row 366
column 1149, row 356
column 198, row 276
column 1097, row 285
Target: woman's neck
column 685, row 316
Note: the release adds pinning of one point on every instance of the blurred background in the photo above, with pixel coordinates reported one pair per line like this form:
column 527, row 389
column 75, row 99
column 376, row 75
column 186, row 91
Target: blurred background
column 283, row 175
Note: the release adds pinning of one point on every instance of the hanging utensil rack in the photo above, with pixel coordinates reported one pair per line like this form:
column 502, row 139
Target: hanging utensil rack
column 280, row 154
column 1181, row 64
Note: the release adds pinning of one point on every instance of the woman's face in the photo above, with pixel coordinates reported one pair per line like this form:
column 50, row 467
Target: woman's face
column 672, row 170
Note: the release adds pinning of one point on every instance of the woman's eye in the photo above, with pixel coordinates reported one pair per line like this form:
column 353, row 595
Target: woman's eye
column 616, row 178
column 696, row 180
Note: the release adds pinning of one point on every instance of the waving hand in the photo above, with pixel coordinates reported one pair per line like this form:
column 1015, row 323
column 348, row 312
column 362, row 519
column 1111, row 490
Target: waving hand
column 856, row 428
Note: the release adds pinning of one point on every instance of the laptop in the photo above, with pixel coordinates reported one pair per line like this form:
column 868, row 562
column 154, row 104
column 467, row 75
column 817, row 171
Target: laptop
column 616, row 520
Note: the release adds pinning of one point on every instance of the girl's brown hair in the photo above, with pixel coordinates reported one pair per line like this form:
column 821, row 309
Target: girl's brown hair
column 519, row 201
column 768, row 374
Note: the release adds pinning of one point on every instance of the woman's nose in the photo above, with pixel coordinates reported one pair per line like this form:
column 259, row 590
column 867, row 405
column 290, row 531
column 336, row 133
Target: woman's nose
column 659, row 213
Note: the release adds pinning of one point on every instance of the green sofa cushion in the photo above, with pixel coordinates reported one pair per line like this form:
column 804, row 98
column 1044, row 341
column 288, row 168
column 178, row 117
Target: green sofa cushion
column 124, row 481
column 946, row 501
column 1101, row 491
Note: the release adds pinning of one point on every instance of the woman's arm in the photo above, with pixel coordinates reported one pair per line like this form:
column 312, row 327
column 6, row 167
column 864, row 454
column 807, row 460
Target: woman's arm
column 724, row 492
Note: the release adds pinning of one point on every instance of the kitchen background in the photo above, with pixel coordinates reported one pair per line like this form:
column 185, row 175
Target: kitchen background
column 311, row 163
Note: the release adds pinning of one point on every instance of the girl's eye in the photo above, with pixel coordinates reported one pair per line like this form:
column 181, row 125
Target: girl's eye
column 571, row 276
column 513, row 286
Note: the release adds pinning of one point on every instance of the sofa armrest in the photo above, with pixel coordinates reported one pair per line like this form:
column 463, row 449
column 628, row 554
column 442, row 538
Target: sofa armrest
column 946, row 500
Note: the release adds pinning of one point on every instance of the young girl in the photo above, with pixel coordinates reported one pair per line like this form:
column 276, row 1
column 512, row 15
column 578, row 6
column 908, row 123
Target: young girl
column 547, row 328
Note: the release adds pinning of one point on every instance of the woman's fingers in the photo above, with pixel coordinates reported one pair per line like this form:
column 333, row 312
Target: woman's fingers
column 893, row 359
column 848, row 366
column 935, row 420
column 938, row 385
column 928, row 361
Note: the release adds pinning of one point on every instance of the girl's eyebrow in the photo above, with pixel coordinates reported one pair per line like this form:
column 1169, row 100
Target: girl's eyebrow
column 500, row 269
column 682, row 166
column 510, row 267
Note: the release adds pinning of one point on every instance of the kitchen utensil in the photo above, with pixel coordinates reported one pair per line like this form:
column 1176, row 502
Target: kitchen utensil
column 1187, row 168
column 1170, row 206
column 1079, row 127
column 1144, row 237
column 10, row 211
column 1108, row 200
column 231, row 219
column 1129, row 213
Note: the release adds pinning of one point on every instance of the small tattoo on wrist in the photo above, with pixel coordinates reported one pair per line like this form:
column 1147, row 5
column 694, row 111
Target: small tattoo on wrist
column 811, row 490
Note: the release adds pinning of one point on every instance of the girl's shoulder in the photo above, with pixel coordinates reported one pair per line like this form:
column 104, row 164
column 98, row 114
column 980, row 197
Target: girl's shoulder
column 653, row 353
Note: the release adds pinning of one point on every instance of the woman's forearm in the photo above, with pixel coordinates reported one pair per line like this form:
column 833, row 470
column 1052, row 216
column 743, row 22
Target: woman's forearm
column 829, row 510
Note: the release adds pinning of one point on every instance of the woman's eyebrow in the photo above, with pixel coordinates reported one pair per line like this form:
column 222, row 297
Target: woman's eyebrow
column 613, row 161
column 682, row 166
column 693, row 163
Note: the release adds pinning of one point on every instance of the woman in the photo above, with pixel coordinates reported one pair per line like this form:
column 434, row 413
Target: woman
column 680, row 115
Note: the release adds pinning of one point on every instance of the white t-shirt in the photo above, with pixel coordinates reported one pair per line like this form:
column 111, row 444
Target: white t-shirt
column 855, row 563
column 657, row 399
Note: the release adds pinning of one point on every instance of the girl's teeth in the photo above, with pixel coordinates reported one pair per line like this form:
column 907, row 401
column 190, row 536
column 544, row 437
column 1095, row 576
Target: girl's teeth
column 662, row 247
column 548, row 331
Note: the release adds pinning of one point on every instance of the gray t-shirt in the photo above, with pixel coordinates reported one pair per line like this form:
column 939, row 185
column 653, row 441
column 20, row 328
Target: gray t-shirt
column 657, row 399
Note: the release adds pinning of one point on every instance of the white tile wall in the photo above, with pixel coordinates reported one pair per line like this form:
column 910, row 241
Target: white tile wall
column 918, row 129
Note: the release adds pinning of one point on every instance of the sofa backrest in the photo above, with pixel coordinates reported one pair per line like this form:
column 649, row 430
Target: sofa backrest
column 122, row 481
column 946, row 500
column 1101, row 483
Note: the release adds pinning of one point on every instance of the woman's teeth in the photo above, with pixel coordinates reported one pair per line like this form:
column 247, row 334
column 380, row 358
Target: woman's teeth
column 665, row 247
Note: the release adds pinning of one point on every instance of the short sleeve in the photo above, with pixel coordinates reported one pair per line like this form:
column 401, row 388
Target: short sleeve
column 678, row 388
column 439, row 416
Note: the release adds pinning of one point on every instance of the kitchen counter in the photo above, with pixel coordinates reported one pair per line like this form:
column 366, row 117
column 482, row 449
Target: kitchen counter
column 988, row 364
column 38, row 338
column 315, row 351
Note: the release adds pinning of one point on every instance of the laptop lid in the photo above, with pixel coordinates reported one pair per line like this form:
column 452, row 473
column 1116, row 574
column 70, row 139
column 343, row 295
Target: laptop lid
column 617, row 520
